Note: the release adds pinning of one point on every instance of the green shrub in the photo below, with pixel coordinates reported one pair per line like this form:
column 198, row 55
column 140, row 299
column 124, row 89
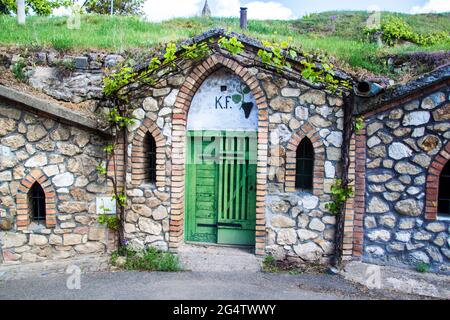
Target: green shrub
column 270, row 265
column 339, row 194
column 110, row 220
column 149, row 259
column 18, row 69
column 422, row 267
column 395, row 29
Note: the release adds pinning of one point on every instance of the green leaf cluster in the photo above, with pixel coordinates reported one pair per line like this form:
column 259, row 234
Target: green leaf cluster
column 109, row 149
column 39, row 7
column 359, row 123
column 232, row 45
column 115, row 118
column 101, row 169
column 339, row 194
column 149, row 259
column 277, row 55
column 121, row 199
column 18, row 69
column 121, row 7
column 395, row 29
column 110, row 220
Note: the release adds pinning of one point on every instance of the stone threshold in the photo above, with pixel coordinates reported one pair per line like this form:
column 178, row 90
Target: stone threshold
column 217, row 258
column 398, row 279
column 87, row 263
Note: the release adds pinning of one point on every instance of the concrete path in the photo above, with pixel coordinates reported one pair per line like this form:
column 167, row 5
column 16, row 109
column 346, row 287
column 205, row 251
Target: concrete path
column 192, row 285
column 402, row 280
column 210, row 258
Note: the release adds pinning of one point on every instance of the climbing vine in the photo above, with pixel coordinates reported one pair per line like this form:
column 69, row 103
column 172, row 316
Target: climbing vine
column 339, row 195
column 279, row 54
column 120, row 86
column 359, row 123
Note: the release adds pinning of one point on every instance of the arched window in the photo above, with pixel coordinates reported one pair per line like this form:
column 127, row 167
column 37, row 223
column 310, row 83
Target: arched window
column 150, row 158
column 444, row 191
column 36, row 198
column 304, row 161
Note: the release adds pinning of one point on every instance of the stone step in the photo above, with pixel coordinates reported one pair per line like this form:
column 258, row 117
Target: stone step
column 214, row 258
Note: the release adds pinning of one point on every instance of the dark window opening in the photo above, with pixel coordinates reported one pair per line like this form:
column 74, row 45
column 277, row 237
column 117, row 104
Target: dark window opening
column 444, row 191
column 304, row 165
column 150, row 158
column 37, row 202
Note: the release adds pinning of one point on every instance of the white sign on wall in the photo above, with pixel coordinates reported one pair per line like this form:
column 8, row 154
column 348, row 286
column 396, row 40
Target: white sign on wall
column 105, row 205
column 223, row 102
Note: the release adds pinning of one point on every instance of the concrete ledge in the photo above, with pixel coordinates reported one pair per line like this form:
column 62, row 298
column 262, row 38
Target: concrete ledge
column 402, row 280
column 87, row 263
column 51, row 109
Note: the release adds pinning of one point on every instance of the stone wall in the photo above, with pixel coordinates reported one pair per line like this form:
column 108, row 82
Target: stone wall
column 66, row 77
column 63, row 159
column 290, row 223
column 298, row 224
column 148, row 205
column 403, row 143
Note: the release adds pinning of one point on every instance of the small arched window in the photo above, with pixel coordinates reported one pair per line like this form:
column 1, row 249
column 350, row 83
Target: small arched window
column 304, row 160
column 150, row 158
column 444, row 191
column 36, row 198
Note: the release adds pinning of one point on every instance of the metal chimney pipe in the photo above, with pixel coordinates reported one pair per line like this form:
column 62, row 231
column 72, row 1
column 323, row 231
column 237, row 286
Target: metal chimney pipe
column 243, row 18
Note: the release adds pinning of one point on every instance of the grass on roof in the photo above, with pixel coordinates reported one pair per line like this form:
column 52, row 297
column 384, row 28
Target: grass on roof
column 341, row 36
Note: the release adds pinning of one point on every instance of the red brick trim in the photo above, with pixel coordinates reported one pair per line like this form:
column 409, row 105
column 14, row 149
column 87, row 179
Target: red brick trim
column 306, row 131
column 182, row 105
column 359, row 205
column 138, row 157
column 349, row 209
column 22, row 201
column 432, row 184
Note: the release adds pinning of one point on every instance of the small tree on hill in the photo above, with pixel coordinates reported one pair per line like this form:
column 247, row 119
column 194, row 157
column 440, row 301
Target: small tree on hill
column 39, row 7
column 121, row 7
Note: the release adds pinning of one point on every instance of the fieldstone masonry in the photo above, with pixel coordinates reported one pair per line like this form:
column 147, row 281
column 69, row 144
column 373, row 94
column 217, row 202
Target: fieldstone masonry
column 63, row 160
column 405, row 145
column 395, row 164
column 296, row 223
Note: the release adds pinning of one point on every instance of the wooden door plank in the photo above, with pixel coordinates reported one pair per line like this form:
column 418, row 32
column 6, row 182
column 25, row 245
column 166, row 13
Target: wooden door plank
column 232, row 173
column 220, row 182
column 238, row 179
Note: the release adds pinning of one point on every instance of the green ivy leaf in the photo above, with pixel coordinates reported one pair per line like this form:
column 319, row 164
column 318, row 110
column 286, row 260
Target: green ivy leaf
column 246, row 90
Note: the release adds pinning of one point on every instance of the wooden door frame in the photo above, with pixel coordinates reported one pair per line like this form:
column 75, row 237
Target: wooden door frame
column 183, row 102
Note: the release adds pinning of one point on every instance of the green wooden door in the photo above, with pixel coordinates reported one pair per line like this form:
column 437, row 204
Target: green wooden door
column 221, row 187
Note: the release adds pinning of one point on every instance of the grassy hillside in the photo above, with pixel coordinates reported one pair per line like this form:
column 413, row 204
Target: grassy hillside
column 338, row 33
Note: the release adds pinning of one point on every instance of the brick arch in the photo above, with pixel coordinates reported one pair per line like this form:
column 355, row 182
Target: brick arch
column 22, row 201
column 138, row 156
column 181, row 109
column 306, row 131
column 432, row 184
